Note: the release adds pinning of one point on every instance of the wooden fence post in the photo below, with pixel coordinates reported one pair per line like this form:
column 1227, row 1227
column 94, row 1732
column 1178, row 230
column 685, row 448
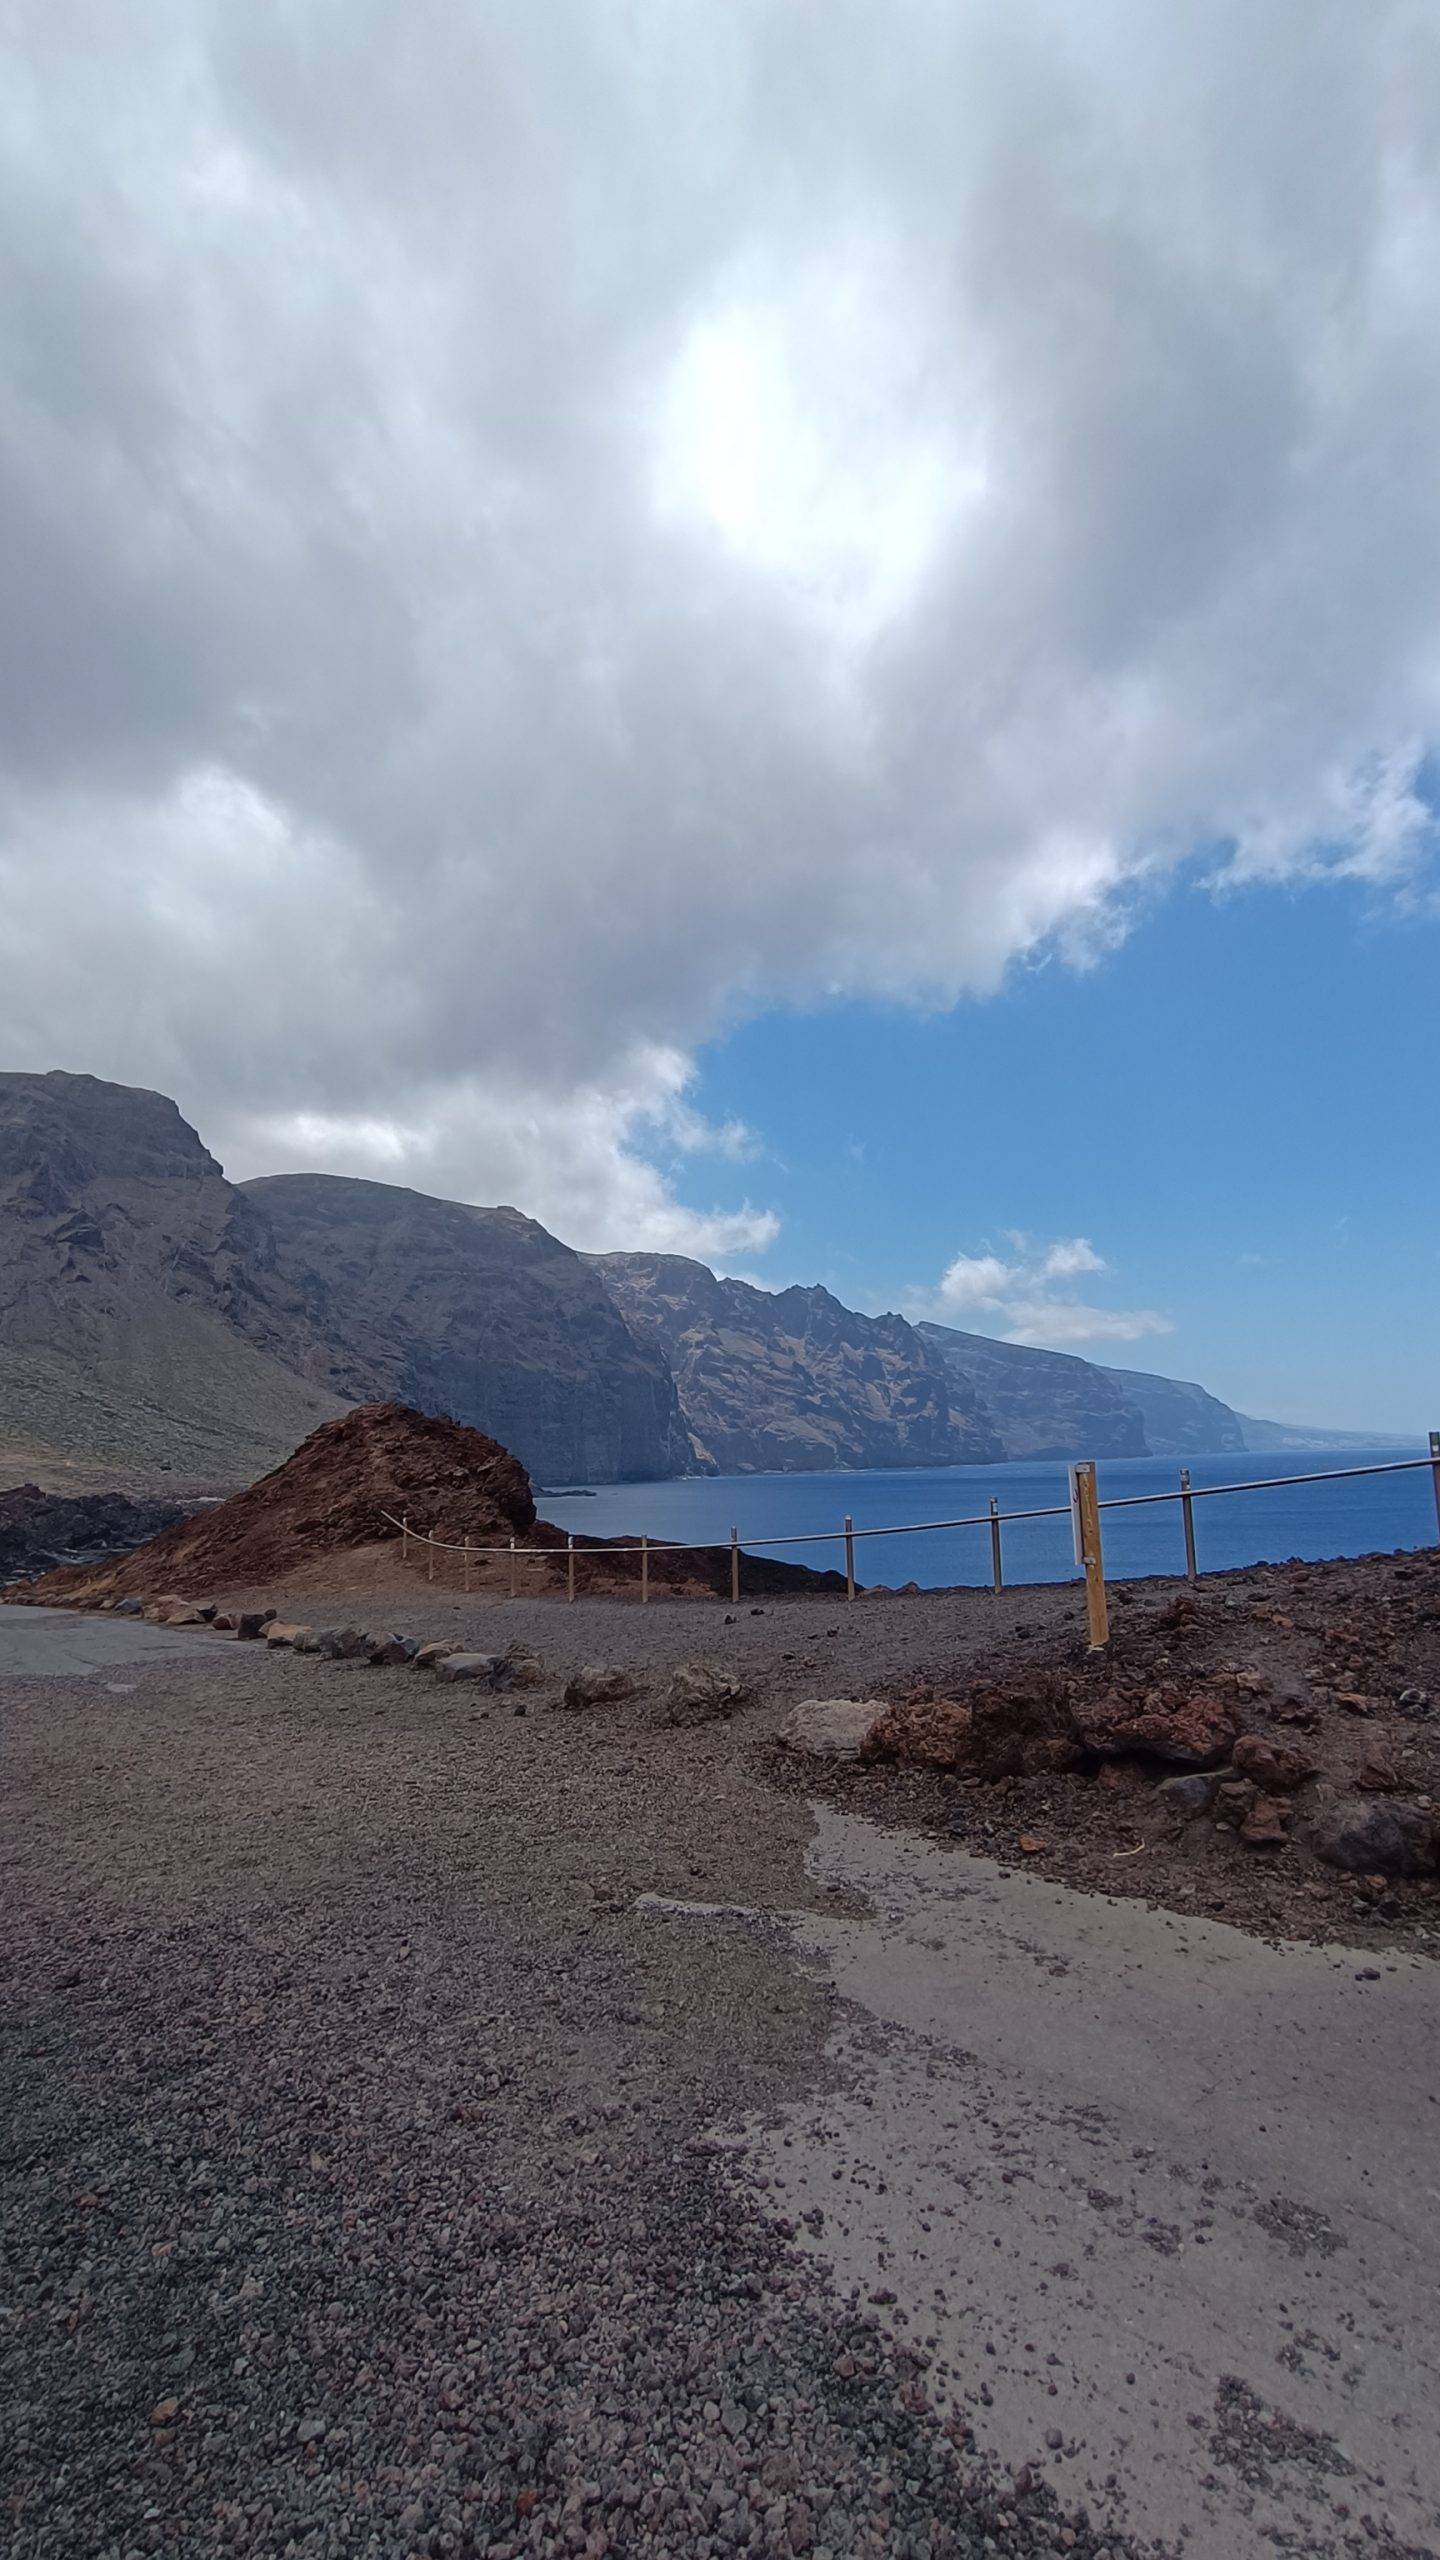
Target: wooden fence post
column 849, row 1557
column 430, row 1556
column 467, row 1564
column 1188, row 1508
column 512, row 1568
column 405, row 1539
column 997, row 1569
column 1096, row 1608
column 644, row 1567
column 570, row 1566
column 1435, row 1471
column 734, row 1568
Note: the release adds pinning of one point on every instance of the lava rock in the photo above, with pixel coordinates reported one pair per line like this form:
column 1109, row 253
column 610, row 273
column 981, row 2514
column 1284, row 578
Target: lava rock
column 385, row 1650
column 1276, row 1767
column 1190, row 1795
column 1194, row 1733
column 1267, row 1824
column 1377, row 1839
column 596, row 1684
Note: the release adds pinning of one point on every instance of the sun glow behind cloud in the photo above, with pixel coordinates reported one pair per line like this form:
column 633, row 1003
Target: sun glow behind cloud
column 800, row 431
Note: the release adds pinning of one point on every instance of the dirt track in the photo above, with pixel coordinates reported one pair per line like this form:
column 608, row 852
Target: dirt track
column 360, row 2106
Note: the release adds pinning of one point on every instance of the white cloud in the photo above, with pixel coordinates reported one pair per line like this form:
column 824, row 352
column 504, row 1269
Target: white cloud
column 530, row 533
column 1026, row 1299
column 1058, row 1325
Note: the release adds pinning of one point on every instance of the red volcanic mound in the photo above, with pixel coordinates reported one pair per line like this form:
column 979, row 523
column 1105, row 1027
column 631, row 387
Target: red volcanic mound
column 331, row 1496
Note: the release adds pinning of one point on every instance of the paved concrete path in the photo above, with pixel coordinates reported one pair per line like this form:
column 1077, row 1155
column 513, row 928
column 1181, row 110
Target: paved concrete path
column 1154, row 2195
column 55, row 1644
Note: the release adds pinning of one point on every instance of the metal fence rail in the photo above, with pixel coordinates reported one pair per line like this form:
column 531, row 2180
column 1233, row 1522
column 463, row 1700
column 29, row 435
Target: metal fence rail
column 1085, row 1504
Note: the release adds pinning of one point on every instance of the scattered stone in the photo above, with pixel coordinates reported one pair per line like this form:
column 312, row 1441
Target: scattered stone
column 1276, row 1767
column 467, row 1666
column 249, row 1623
column 428, row 1657
column 385, row 1650
column 1377, row 1775
column 1234, row 1798
column 1267, row 1824
column 341, row 1644
column 699, row 1693
column 1190, row 1795
column 597, row 1684
column 1376, row 1839
column 223, row 1622
column 830, row 1728
column 131, row 1608
column 277, row 1635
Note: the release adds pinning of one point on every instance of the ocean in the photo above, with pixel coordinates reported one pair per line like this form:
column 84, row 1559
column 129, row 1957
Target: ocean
column 1359, row 1517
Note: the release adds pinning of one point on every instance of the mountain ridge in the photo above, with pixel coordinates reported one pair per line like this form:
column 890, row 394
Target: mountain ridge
column 162, row 1326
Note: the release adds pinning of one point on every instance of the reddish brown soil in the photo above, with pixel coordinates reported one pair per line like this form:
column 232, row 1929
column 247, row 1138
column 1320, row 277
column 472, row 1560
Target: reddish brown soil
column 329, row 1497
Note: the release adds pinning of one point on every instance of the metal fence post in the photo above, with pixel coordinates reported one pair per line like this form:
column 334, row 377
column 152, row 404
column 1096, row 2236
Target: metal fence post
column 849, row 1557
column 997, row 1570
column 734, row 1567
column 1096, row 1608
column 644, row 1567
column 1435, row 1471
column 1188, row 1508
column 570, row 1566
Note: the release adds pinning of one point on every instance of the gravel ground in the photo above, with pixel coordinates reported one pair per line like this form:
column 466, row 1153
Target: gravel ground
column 358, row 2193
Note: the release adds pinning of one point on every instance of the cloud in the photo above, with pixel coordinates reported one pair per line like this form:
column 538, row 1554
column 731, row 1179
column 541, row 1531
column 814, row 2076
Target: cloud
column 532, row 533
column 1025, row 1298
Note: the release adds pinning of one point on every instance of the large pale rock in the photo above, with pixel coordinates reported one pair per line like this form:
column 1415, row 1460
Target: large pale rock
column 700, row 1693
column 469, row 1666
column 278, row 1635
column 830, row 1728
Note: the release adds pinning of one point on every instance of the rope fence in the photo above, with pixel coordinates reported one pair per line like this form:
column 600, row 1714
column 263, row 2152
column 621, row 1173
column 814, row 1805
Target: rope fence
column 1084, row 1510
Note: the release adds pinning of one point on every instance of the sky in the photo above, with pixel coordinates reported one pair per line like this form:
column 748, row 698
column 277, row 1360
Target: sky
column 803, row 633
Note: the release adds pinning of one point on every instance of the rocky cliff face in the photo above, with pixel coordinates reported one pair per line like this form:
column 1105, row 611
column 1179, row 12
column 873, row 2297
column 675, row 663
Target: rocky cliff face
column 1043, row 1404
column 160, row 1324
column 791, row 1379
column 476, row 1313
column 141, row 1335
column 1180, row 1420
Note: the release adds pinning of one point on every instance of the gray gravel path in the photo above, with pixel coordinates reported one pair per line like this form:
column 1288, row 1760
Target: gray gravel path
column 1174, row 2188
column 358, row 2193
column 51, row 1644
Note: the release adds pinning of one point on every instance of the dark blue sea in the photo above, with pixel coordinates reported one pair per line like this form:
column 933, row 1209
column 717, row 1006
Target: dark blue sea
column 1359, row 1517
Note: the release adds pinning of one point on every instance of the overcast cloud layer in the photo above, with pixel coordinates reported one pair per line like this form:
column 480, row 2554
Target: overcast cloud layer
column 529, row 531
